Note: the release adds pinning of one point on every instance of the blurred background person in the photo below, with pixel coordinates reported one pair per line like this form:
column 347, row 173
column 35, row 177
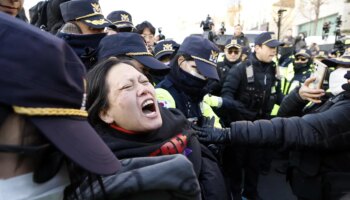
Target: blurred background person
column 147, row 31
column 239, row 36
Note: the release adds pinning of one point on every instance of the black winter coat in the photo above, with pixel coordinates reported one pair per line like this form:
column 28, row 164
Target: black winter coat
column 251, row 101
column 321, row 137
column 222, row 68
column 174, row 137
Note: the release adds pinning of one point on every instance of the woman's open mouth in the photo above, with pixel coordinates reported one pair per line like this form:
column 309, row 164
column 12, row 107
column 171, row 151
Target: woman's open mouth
column 148, row 107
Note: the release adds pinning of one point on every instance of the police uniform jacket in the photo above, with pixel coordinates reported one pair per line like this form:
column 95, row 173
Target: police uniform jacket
column 321, row 137
column 223, row 68
column 251, row 95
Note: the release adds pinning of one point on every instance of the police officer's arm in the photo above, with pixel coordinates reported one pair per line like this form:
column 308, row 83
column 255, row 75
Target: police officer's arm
column 230, row 88
column 326, row 130
column 279, row 93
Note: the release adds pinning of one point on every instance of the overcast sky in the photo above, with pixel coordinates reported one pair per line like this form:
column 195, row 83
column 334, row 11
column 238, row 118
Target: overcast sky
column 178, row 18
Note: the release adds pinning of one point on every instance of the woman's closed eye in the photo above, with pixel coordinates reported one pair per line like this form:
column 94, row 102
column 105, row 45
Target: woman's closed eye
column 126, row 86
column 144, row 81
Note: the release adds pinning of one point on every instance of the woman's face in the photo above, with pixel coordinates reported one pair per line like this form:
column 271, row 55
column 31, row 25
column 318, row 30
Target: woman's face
column 131, row 98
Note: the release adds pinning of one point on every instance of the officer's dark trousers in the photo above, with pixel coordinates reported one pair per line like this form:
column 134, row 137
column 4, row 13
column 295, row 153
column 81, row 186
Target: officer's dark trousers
column 241, row 164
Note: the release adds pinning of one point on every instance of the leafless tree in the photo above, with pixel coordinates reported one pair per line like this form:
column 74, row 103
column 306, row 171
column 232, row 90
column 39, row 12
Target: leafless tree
column 314, row 6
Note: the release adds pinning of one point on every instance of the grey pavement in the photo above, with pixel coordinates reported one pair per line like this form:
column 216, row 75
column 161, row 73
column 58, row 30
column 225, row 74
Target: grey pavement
column 274, row 185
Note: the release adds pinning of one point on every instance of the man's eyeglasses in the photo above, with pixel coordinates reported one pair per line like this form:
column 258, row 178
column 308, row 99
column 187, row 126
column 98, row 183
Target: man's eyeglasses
column 301, row 59
column 230, row 51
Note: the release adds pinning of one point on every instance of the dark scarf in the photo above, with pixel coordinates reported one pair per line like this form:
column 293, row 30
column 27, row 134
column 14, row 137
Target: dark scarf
column 192, row 86
column 175, row 136
column 85, row 46
column 229, row 63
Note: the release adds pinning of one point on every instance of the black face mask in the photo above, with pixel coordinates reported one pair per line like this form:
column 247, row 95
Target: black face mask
column 191, row 85
column 300, row 66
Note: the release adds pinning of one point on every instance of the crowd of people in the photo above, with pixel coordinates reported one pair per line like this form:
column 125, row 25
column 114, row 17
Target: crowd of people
column 94, row 107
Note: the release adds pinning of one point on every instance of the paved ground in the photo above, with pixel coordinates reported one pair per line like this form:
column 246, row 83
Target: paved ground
column 274, row 186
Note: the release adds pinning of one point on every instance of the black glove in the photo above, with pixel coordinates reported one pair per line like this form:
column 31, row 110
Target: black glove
column 213, row 135
column 205, row 122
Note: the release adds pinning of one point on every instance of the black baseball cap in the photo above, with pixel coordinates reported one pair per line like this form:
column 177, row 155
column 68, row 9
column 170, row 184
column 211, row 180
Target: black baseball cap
column 266, row 39
column 87, row 11
column 165, row 47
column 42, row 78
column 343, row 60
column 120, row 19
column 233, row 43
column 129, row 44
column 303, row 52
column 204, row 52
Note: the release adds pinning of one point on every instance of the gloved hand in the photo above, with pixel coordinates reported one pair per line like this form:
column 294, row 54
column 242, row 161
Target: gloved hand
column 213, row 101
column 213, row 135
column 205, row 122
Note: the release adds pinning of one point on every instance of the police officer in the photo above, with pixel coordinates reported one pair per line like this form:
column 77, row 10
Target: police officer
column 164, row 51
column 250, row 90
column 184, row 87
column 301, row 68
column 131, row 46
column 233, row 52
column 84, row 28
column 39, row 94
column 122, row 22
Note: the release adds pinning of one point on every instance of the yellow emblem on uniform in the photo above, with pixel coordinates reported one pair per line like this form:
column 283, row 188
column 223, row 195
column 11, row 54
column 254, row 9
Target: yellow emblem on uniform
column 214, row 56
column 167, row 47
column 97, row 22
column 303, row 51
column 96, row 7
column 125, row 17
column 233, row 41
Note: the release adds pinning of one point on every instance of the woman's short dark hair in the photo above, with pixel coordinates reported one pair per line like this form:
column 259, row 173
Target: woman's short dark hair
column 143, row 26
column 97, row 92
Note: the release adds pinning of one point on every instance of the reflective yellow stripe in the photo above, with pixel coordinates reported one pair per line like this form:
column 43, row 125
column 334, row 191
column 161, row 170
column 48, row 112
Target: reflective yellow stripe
column 50, row 111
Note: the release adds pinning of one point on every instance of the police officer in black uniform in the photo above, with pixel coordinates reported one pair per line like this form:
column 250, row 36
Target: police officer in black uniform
column 84, row 28
column 233, row 52
column 250, row 90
